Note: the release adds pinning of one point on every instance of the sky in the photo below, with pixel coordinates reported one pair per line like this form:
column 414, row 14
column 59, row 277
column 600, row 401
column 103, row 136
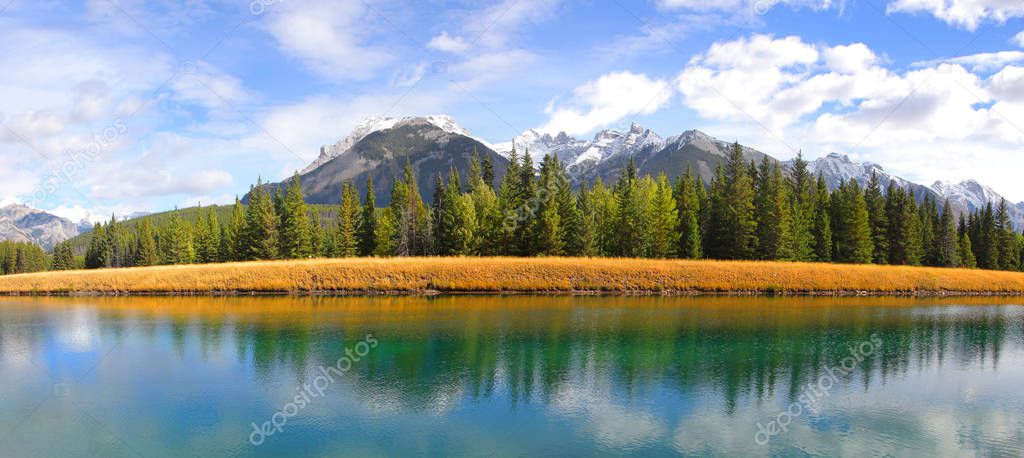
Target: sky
column 122, row 106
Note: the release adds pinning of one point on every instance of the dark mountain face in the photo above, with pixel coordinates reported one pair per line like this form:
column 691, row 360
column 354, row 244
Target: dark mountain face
column 383, row 155
column 693, row 150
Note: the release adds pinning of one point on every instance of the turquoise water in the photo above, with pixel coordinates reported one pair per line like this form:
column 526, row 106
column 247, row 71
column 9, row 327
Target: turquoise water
column 511, row 376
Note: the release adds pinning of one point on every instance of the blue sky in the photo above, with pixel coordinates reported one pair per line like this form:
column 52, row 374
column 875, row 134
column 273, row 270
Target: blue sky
column 129, row 105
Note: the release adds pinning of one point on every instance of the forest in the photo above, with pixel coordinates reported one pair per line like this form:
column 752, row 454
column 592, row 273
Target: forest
column 748, row 211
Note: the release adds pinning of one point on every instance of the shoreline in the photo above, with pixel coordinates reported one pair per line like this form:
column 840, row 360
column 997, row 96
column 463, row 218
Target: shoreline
column 517, row 276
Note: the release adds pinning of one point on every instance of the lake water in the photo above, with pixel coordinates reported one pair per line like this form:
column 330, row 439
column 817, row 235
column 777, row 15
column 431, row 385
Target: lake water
column 511, row 376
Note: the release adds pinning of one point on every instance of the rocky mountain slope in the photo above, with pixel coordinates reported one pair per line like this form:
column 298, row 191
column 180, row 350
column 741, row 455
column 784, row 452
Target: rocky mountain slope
column 23, row 224
column 381, row 147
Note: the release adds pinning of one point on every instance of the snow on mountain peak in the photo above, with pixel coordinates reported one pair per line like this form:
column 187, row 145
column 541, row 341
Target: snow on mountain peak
column 376, row 123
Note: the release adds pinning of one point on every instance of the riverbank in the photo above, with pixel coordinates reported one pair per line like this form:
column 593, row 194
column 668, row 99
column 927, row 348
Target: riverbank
column 517, row 275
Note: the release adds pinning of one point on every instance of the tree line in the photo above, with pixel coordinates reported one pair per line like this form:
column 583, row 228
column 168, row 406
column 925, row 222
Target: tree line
column 21, row 258
column 748, row 211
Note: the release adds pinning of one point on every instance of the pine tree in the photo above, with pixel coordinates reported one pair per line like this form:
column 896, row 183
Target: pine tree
column 488, row 171
column 233, row 247
column 966, row 252
column 386, row 232
column 628, row 214
column 773, row 206
column 588, row 237
column 368, row 222
column 948, row 249
column 260, row 233
column 510, row 205
column 852, row 233
column 689, row 206
column 346, row 238
column 176, row 242
column 665, row 221
column 295, row 239
column 877, row 220
column 821, row 229
column 63, row 257
column 475, row 173
column 738, row 225
column 145, row 251
column 1009, row 252
column 317, row 238
column 801, row 193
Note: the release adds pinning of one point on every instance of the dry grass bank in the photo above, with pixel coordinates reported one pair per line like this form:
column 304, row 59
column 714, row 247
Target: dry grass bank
column 414, row 275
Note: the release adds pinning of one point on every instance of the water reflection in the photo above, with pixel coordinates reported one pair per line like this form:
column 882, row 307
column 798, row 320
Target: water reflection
column 511, row 375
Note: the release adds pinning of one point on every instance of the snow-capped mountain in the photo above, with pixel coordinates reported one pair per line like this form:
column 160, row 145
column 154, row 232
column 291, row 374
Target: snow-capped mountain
column 19, row 223
column 609, row 151
column 376, row 124
column 968, row 196
column 839, row 168
column 583, row 154
column 972, row 196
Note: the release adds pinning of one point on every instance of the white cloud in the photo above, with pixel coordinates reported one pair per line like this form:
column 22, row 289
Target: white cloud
column 448, row 43
column 608, row 99
column 968, row 14
column 983, row 62
column 1018, row 39
column 745, row 7
column 330, row 38
column 918, row 123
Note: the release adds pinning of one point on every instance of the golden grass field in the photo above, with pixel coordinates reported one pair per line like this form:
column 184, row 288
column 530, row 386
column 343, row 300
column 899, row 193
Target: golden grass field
column 536, row 275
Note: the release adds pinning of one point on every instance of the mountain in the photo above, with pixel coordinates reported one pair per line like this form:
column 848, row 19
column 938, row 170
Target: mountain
column 839, row 168
column 610, row 150
column 971, row 196
column 968, row 196
column 380, row 148
column 19, row 223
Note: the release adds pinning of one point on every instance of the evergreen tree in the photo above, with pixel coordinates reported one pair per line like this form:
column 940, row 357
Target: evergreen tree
column 233, row 246
column 966, row 252
column 317, row 239
column 295, row 238
column 773, row 206
column 386, row 232
column 176, row 242
column 588, row 237
column 947, row 242
column 665, row 221
column 801, row 193
column 689, row 206
column 821, row 229
column 346, row 238
column 145, row 251
column 1006, row 239
column 368, row 222
column 63, row 257
column 852, row 233
column 260, row 233
column 877, row 220
column 628, row 216
column 738, row 223
column 488, row 171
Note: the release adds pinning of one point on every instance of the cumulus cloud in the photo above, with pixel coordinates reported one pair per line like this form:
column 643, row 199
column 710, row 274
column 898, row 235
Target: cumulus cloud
column 448, row 43
column 983, row 62
column 330, row 38
column 968, row 14
column 840, row 98
column 606, row 100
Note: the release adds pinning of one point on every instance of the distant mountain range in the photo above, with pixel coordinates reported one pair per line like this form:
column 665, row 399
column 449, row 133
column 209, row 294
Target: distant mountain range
column 378, row 147
column 23, row 224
